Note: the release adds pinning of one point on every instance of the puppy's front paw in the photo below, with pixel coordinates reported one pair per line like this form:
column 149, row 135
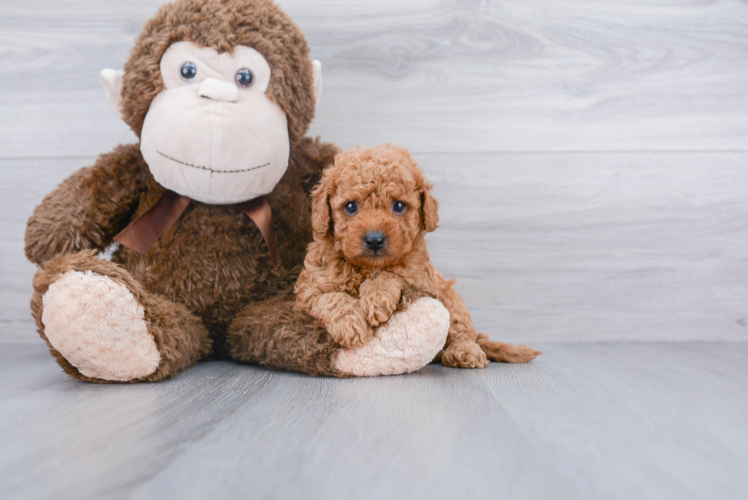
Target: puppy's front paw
column 464, row 355
column 350, row 329
column 378, row 308
column 379, row 299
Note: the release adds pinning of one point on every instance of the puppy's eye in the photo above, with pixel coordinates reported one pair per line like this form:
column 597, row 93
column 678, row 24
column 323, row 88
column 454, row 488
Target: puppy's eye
column 188, row 71
column 244, row 78
column 399, row 207
column 350, row 208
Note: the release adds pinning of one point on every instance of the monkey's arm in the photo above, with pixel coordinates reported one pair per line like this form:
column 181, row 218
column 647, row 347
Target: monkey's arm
column 311, row 157
column 290, row 199
column 88, row 208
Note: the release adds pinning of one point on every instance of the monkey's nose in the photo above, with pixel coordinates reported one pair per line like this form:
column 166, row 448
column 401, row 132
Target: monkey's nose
column 374, row 240
column 219, row 90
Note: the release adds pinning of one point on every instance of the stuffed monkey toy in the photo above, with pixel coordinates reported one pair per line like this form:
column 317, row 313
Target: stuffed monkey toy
column 210, row 208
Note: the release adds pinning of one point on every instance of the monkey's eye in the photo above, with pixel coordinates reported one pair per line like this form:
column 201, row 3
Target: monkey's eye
column 188, row 71
column 244, row 78
column 350, row 208
column 399, row 207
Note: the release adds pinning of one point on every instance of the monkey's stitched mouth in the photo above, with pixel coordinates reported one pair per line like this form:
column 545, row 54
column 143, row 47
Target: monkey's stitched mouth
column 210, row 169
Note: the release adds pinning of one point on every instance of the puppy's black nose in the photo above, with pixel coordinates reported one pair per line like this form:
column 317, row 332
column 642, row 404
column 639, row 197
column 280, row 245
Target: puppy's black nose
column 374, row 240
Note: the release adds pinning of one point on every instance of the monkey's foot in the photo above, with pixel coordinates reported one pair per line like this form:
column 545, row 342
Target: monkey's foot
column 406, row 343
column 99, row 327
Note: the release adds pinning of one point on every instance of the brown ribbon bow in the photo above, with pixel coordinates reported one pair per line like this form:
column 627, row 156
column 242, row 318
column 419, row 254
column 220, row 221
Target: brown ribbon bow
column 143, row 232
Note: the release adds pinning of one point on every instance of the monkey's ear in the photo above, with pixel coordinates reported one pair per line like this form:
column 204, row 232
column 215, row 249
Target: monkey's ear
column 429, row 210
column 321, row 211
column 317, row 81
column 112, row 81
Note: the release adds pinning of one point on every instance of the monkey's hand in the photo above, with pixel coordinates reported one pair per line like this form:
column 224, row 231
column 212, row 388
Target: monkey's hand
column 88, row 208
column 379, row 297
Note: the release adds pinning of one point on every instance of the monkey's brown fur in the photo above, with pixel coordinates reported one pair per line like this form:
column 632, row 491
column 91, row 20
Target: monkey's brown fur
column 213, row 263
column 180, row 336
column 352, row 289
column 283, row 338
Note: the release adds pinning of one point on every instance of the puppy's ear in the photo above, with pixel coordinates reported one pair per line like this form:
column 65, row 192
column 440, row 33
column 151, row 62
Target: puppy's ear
column 321, row 211
column 429, row 210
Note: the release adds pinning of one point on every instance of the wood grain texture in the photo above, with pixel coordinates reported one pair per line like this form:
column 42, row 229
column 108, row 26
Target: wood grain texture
column 614, row 421
column 432, row 75
column 589, row 157
column 26, row 183
column 592, row 247
column 545, row 247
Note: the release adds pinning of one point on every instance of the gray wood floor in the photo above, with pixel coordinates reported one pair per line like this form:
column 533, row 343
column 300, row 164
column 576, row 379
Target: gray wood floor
column 590, row 160
column 614, row 421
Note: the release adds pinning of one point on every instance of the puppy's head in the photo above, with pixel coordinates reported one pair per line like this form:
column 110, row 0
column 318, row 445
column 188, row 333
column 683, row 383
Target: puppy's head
column 373, row 204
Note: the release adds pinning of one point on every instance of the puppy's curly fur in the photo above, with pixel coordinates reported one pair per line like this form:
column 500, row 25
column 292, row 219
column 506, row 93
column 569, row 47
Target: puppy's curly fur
column 351, row 286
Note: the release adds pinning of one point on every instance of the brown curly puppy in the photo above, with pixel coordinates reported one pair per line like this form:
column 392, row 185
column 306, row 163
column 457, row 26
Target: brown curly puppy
column 370, row 214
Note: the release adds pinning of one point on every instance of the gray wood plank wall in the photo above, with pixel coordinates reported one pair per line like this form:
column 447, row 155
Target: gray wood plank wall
column 590, row 157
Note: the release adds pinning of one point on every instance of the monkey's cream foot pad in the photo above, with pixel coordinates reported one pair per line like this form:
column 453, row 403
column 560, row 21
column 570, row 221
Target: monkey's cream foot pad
column 99, row 327
column 406, row 343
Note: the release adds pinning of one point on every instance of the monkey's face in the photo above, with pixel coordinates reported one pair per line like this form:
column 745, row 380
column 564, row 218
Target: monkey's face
column 213, row 134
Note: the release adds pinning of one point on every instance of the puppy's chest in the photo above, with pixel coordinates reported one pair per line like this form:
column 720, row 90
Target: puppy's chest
column 353, row 284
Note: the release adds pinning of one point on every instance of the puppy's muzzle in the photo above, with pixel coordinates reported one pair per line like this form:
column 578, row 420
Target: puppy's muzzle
column 374, row 240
